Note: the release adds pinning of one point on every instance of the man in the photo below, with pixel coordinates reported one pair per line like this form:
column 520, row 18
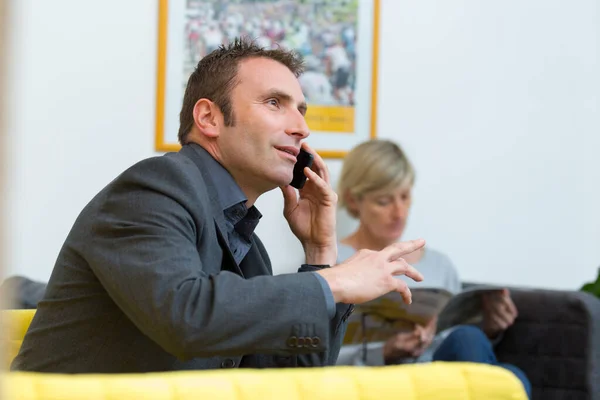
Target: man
column 162, row 269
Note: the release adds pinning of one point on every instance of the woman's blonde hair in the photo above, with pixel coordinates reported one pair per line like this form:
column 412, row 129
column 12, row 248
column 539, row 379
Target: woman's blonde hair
column 372, row 166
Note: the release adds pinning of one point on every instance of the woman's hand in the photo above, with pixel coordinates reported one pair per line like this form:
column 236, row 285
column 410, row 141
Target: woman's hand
column 402, row 345
column 499, row 312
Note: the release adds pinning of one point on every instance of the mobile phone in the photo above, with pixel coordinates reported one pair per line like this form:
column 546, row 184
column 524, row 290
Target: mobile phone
column 304, row 159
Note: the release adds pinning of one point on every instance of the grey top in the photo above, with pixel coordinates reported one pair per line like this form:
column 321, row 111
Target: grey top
column 438, row 271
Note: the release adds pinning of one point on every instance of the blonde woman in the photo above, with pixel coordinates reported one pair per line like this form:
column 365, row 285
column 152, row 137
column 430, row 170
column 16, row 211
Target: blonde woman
column 376, row 188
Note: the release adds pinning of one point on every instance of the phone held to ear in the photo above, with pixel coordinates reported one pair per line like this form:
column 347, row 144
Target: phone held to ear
column 305, row 159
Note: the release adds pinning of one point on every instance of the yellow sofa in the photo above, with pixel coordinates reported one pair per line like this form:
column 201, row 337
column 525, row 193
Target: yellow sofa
column 422, row 382
column 14, row 325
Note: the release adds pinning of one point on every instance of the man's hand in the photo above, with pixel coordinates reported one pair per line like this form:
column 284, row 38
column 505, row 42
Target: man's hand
column 312, row 215
column 369, row 274
column 499, row 312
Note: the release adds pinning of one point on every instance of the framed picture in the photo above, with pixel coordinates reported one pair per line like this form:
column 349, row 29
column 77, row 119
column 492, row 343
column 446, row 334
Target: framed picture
column 337, row 38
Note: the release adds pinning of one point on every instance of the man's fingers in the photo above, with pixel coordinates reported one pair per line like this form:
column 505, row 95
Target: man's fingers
column 403, row 290
column 401, row 267
column 323, row 187
column 317, row 180
column 318, row 165
column 290, row 199
column 359, row 254
column 397, row 250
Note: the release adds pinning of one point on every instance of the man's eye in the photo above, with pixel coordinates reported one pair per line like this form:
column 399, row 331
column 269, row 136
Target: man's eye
column 273, row 102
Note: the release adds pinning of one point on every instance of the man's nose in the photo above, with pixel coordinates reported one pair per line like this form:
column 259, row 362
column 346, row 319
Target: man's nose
column 298, row 126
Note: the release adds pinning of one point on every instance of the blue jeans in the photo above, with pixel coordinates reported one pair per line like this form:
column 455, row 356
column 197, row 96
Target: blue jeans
column 469, row 343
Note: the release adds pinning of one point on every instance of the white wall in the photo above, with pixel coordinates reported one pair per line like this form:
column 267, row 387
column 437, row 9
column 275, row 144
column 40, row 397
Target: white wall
column 495, row 102
column 82, row 78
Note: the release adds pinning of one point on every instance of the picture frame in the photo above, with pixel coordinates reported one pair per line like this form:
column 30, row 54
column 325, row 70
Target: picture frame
column 339, row 40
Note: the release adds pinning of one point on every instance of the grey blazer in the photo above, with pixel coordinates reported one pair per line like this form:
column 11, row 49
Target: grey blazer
column 145, row 281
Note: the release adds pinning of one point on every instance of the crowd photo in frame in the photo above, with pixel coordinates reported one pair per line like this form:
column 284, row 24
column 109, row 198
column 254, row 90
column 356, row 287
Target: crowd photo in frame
column 337, row 38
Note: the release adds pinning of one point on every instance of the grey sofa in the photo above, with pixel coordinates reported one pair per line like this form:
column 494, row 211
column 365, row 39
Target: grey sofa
column 556, row 341
column 21, row 292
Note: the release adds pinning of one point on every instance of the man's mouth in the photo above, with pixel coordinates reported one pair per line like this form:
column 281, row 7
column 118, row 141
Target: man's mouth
column 292, row 151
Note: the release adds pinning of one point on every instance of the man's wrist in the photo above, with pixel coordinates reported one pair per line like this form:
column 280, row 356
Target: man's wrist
column 332, row 278
column 320, row 255
column 314, row 267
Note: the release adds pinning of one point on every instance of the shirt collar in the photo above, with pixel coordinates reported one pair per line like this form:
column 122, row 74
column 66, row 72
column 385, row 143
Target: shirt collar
column 228, row 191
column 248, row 223
column 231, row 198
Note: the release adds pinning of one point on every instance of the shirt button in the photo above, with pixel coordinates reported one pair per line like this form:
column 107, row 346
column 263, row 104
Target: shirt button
column 229, row 363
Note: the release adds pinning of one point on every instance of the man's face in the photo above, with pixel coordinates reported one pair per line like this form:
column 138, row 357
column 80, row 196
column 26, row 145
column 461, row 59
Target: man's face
column 260, row 149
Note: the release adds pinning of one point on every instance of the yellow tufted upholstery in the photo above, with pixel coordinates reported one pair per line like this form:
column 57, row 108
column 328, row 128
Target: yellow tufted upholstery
column 14, row 325
column 422, row 382
column 432, row 381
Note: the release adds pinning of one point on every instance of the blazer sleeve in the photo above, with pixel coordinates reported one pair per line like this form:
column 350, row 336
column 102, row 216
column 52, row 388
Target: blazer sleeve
column 142, row 246
column 337, row 330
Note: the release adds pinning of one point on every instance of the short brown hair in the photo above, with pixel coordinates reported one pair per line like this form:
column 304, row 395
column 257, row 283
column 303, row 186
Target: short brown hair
column 215, row 77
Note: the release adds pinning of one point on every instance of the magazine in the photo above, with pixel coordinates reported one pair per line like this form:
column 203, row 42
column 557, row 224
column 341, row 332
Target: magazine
column 379, row 319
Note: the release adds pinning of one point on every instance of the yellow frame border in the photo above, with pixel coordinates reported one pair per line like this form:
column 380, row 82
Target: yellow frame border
column 159, row 137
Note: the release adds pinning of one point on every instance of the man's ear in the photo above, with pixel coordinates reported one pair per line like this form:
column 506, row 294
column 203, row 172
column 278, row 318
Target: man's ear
column 207, row 118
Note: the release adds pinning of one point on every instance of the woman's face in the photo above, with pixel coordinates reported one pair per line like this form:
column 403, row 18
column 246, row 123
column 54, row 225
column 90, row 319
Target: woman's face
column 384, row 213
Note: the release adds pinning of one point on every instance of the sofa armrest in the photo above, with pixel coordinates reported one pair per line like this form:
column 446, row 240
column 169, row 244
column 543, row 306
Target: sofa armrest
column 556, row 342
column 418, row 382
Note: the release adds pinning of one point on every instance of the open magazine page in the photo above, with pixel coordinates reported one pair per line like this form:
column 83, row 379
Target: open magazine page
column 465, row 307
column 388, row 315
column 385, row 316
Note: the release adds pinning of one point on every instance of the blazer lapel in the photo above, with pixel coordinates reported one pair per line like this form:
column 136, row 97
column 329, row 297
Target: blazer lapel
column 254, row 264
column 229, row 263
